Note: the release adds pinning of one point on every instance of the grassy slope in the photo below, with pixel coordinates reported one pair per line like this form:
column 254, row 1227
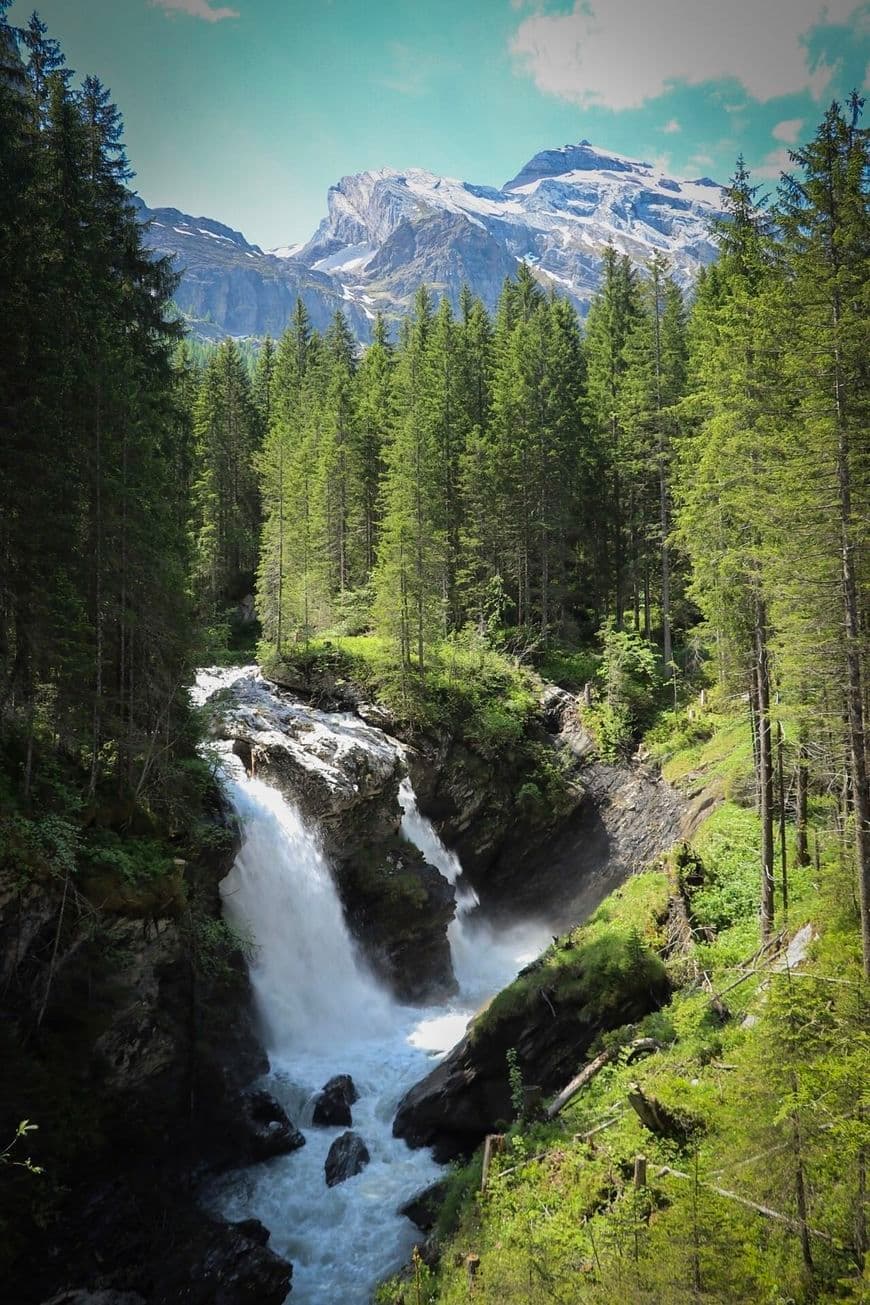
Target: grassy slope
column 765, row 1100
column 472, row 694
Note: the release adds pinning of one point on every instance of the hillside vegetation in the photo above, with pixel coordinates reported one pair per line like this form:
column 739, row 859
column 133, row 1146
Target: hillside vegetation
column 754, row 1167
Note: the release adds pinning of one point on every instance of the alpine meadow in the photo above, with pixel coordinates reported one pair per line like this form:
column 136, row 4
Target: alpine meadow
column 434, row 657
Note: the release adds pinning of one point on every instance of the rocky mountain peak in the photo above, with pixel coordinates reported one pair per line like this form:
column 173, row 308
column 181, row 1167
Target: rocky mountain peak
column 582, row 157
column 386, row 231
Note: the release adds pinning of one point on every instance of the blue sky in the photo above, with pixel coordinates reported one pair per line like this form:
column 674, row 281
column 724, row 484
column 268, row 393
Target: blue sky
column 246, row 111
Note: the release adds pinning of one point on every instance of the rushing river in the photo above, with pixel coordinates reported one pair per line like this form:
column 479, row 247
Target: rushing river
column 324, row 1013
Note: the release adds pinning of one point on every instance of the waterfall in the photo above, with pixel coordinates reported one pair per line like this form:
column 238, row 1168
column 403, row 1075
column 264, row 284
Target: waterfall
column 484, row 959
column 279, row 895
column 324, row 1013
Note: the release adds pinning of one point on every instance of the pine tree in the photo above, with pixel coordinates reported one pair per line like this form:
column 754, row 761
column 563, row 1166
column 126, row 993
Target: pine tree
column 611, row 316
column 376, row 416
column 724, row 487
column 225, row 496
column 654, row 358
column 824, row 215
column 409, row 571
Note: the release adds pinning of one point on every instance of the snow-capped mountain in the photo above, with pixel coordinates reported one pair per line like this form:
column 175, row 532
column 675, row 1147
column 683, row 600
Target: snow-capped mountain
column 387, row 231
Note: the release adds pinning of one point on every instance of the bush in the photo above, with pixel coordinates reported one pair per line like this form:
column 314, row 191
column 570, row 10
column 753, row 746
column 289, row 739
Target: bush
column 629, row 680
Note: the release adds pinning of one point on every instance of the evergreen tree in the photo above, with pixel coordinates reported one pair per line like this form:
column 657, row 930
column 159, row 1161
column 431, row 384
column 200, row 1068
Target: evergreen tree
column 611, row 316
column 824, row 215
column 409, row 572
column 225, row 497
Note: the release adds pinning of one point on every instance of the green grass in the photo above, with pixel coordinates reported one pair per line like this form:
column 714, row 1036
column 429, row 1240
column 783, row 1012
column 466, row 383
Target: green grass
column 473, row 694
column 571, row 670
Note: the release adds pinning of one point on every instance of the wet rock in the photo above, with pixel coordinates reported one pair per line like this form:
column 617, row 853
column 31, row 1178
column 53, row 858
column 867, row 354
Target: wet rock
column 347, row 1156
column 424, row 1206
column 242, row 749
column 523, row 856
column 225, row 1266
column 253, row 1230
column 399, row 908
column 373, row 713
column 332, row 1107
column 267, row 1130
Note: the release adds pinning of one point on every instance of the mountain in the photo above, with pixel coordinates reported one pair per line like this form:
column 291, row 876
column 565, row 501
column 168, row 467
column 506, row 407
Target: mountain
column 386, row 232
column 230, row 287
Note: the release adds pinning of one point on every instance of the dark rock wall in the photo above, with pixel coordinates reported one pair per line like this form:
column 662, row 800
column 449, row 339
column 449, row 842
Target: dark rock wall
column 133, row 1065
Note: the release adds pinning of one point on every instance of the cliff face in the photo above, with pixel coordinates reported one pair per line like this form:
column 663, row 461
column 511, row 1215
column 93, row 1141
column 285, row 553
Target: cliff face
column 128, row 1038
column 522, row 858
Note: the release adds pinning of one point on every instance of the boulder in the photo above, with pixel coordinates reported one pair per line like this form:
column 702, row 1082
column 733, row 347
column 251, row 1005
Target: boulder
column 227, row 1266
column 332, row 1107
column 347, row 1156
column 399, row 907
column 253, row 1230
column 424, row 1206
column 266, row 1129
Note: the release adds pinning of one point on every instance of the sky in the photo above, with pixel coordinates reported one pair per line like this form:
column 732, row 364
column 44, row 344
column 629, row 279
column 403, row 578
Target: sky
column 248, row 111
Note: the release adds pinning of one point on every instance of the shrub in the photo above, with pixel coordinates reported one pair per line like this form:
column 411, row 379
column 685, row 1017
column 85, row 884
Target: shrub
column 629, row 680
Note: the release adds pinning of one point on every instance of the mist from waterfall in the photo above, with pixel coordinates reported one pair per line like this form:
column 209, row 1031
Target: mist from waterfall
column 484, row 959
column 324, row 1013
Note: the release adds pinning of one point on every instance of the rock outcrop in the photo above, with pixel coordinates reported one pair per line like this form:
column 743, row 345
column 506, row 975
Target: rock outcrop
column 343, row 774
column 549, row 1017
column 399, row 908
column 332, row 1107
column 134, row 1060
column 522, row 858
column 424, row 1206
column 347, row 1157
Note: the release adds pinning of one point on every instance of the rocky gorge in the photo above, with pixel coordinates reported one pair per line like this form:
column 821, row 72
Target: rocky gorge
column 176, row 1070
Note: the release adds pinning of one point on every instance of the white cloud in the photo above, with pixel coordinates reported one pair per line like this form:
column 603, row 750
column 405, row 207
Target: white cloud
column 774, row 163
column 197, row 9
column 788, row 130
column 619, row 54
column 671, row 127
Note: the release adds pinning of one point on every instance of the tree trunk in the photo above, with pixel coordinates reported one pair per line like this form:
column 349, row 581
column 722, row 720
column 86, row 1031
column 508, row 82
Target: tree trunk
column 802, row 854
column 783, row 854
column 765, row 769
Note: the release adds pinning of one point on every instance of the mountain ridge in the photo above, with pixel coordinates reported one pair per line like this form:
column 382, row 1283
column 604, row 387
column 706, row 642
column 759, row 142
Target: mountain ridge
column 387, row 230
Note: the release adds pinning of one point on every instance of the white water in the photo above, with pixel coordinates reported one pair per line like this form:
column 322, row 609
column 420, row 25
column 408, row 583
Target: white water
column 324, row 1013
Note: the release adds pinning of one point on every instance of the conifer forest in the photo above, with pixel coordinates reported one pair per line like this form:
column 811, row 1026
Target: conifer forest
column 598, row 589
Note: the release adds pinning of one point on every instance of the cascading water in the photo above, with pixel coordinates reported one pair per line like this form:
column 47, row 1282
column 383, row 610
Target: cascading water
column 323, row 1013
column 280, row 894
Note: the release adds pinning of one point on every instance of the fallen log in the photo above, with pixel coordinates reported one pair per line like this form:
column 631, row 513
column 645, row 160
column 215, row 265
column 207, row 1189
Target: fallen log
column 639, row 1047
column 793, row 1225
column 657, row 1117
